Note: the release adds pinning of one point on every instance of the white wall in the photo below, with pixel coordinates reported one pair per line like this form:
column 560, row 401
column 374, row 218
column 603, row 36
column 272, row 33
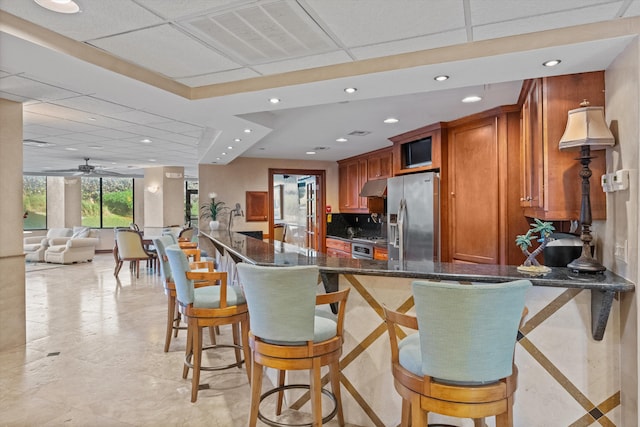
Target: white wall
column 623, row 113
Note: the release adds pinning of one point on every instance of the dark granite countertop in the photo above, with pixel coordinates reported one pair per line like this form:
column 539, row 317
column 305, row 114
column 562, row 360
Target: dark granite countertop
column 258, row 252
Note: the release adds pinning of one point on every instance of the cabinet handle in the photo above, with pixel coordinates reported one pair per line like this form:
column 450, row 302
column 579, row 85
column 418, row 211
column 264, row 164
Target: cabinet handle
column 453, row 194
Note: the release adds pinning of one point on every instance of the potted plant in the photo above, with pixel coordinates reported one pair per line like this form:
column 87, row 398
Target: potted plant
column 531, row 264
column 211, row 211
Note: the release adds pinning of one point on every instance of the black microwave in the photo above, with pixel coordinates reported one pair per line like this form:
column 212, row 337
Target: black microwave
column 416, row 153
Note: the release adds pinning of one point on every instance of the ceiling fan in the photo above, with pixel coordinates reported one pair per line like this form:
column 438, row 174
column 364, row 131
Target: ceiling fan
column 84, row 170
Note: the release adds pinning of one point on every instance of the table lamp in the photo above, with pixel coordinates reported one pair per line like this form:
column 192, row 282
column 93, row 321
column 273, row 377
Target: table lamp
column 588, row 130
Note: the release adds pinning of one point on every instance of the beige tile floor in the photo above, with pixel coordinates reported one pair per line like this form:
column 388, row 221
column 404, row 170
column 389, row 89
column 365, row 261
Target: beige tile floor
column 94, row 357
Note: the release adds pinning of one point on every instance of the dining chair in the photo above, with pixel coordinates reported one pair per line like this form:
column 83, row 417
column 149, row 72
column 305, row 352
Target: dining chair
column 288, row 333
column 208, row 306
column 129, row 247
column 173, row 314
column 460, row 361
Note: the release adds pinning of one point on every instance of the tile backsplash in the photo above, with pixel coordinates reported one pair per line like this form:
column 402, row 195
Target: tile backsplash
column 362, row 225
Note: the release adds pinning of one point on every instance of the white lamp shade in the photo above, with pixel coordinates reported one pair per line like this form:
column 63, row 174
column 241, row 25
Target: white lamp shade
column 587, row 126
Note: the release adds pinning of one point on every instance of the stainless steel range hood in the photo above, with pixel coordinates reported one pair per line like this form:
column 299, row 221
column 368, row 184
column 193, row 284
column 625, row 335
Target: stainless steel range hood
column 374, row 188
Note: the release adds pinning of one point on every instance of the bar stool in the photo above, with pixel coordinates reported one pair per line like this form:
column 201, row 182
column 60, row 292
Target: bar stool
column 208, row 306
column 287, row 334
column 173, row 314
column 460, row 363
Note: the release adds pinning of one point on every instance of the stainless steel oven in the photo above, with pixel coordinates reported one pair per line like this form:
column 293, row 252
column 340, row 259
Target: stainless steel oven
column 361, row 249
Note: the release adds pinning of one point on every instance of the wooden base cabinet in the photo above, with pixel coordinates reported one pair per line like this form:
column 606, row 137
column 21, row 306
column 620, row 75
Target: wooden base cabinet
column 338, row 248
column 550, row 178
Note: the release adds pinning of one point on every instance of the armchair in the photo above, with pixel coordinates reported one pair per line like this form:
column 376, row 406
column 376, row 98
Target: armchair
column 79, row 247
column 35, row 246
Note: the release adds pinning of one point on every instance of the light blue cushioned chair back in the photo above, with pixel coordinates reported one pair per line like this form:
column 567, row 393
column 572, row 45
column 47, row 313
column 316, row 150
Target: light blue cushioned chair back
column 179, row 266
column 468, row 332
column 168, row 233
column 161, row 244
column 281, row 301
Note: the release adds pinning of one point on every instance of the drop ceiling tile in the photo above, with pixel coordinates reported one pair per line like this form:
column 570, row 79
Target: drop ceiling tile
column 146, row 131
column 92, row 105
column 43, row 130
column 86, row 137
column 96, row 19
column 492, row 11
column 137, row 117
column 383, row 21
column 113, row 133
column 545, row 22
column 321, row 60
column 173, row 9
column 4, row 74
column 181, row 139
column 431, row 41
column 220, row 77
column 12, row 97
column 32, row 89
column 71, row 126
column 167, row 51
column 176, row 126
column 633, row 10
column 57, row 111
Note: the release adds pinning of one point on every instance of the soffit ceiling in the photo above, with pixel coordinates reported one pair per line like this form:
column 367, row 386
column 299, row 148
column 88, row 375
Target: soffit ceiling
column 227, row 57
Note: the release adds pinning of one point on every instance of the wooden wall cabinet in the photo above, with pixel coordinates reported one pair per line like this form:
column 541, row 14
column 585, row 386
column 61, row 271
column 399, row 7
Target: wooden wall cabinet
column 550, row 180
column 354, row 172
column 436, row 131
column 257, row 205
column 338, row 248
column 381, row 254
column 483, row 215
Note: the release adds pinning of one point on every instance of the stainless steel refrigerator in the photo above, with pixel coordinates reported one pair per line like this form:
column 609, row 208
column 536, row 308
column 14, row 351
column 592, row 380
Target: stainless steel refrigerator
column 413, row 220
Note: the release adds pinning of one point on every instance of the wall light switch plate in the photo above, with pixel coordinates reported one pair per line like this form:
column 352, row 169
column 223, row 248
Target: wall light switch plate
column 606, row 181
column 621, row 180
column 621, row 251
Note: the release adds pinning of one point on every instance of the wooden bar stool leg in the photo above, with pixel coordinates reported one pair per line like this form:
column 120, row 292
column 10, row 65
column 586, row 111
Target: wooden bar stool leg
column 177, row 318
column 281, row 378
column 235, row 330
column 479, row 422
column 256, row 388
column 171, row 310
column 418, row 415
column 316, row 393
column 212, row 334
column 334, row 374
column 197, row 356
column 406, row 414
column 244, row 324
column 189, row 348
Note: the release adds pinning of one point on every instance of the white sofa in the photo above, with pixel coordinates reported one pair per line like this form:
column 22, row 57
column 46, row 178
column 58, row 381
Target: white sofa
column 35, row 246
column 80, row 246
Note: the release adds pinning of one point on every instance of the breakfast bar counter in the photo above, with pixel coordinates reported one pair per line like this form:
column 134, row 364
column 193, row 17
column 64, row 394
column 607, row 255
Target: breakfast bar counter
column 567, row 375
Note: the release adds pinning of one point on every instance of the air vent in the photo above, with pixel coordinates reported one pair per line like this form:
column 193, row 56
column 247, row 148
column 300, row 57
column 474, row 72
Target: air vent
column 263, row 33
column 359, row 133
column 320, row 148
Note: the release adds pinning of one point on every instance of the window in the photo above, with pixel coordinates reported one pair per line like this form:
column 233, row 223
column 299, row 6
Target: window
column 107, row 202
column 34, row 202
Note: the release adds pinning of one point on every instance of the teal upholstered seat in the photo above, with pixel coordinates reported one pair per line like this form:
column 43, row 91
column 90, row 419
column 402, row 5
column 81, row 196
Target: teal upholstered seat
column 207, row 306
column 464, row 349
column 288, row 331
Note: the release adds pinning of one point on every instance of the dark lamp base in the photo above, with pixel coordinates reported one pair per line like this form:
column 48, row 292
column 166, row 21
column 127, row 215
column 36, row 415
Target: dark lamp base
column 586, row 264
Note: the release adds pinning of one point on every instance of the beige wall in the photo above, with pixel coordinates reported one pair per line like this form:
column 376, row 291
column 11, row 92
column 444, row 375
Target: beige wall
column 230, row 182
column 623, row 112
column 12, row 273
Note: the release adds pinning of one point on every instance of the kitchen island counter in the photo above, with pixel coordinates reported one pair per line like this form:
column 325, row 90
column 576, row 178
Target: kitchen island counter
column 564, row 373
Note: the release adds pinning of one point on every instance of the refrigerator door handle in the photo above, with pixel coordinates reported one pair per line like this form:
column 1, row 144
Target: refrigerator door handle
column 401, row 213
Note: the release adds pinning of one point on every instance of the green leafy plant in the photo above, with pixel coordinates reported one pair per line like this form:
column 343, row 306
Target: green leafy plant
column 212, row 209
column 524, row 240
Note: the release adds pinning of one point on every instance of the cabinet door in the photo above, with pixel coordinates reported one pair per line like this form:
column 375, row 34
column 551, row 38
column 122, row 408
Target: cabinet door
column 362, row 179
column 380, row 165
column 349, row 186
column 257, row 205
column 532, row 178
column 474, row 193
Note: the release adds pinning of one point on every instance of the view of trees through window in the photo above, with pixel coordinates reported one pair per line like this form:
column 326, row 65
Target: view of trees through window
column 107, row 202
column 34, row 202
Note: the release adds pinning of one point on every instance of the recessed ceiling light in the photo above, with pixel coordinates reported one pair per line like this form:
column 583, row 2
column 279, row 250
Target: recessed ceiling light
column 341, row 140
column 441, row 78
column 350, row 90
column 391, row 120
column 471, row 98
column 146, row 141
column 152, row 160
column 247, row 131
column 93, row 119
column 217, row 158
column 60, row 6
column 96, row 147
column 224, row 154
column 274, row 100
column 311, row 152
column 237, row 140
column 71, row 149
column 551, row 63
column 230, row 147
